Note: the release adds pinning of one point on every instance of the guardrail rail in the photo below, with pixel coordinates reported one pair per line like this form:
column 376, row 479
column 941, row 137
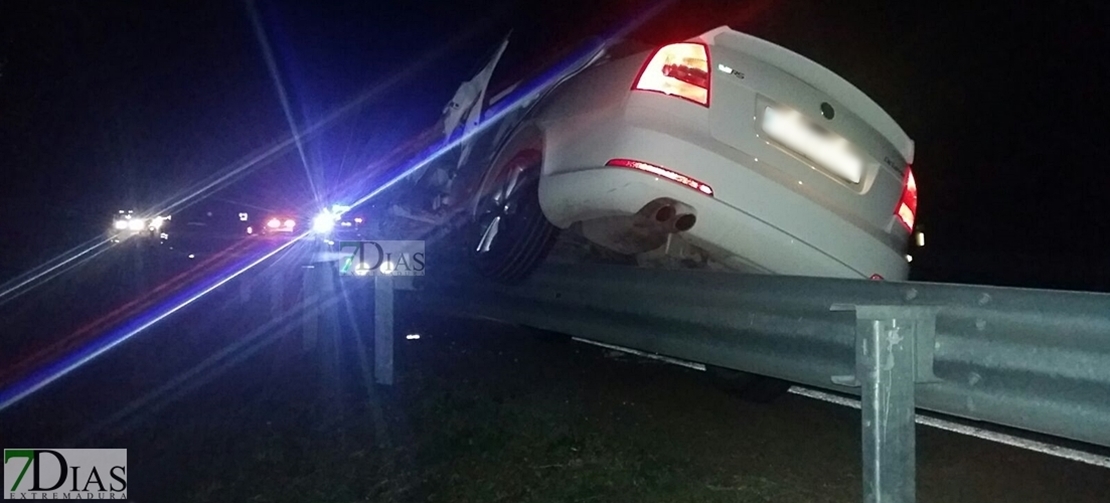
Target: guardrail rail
column 1037, row 360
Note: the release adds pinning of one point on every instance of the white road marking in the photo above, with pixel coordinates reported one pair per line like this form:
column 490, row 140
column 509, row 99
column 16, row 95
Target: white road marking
column 963, row 429
column 653, row 356
column 972, row 431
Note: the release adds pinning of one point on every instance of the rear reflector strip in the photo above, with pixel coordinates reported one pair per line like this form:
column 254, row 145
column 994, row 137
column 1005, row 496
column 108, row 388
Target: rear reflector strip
column 662, row 172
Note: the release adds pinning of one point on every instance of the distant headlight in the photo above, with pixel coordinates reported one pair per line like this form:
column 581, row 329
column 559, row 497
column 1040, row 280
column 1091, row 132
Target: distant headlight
column 323, row 223
column 135, row 225
column 280, row 224
column 120, row 225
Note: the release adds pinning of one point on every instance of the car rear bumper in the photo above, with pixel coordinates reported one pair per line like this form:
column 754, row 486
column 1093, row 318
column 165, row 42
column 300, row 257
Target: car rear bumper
column 758, row 220
column 735, row 237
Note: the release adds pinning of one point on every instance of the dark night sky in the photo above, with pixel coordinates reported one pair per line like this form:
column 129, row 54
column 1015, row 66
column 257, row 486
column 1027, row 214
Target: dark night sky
column 109, row 104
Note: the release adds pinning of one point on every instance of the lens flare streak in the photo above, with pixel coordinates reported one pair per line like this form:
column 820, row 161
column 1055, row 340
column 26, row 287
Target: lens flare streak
column 51, row 372
column 60, row 368
column 41, row 274
column 135, row 306
column 271, row 65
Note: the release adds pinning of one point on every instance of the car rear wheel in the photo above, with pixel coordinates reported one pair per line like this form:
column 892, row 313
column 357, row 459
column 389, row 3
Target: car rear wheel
column 510, row 236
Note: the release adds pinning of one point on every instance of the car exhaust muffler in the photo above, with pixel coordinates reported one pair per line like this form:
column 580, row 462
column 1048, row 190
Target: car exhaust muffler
column 684, row 222
column 672, row 215
column 665, row 213
column 646, row 230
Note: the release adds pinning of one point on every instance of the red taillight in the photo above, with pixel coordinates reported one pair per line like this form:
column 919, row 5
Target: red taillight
column 663, row 172
column 876, row 277
column 678, row 70
column 906, row 211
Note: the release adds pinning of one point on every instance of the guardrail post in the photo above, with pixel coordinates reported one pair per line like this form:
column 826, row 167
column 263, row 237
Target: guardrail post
column 329, row 307
column 894, row 351
column 383, row 329
column 277, row 294
column 310, row 319
column 244, row 289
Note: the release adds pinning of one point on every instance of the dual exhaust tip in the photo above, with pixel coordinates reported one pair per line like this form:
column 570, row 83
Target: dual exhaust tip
column 675, row 219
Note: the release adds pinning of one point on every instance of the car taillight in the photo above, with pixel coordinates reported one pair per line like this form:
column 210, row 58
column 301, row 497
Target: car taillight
column 906, row 211
column 678, row 70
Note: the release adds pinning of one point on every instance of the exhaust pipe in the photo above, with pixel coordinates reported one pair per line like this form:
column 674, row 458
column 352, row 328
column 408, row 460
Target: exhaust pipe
column 685, row 222
column 672, row 215
column 665, row 213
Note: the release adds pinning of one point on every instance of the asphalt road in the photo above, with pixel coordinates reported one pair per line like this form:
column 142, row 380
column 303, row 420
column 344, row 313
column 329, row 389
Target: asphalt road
column 223, row 400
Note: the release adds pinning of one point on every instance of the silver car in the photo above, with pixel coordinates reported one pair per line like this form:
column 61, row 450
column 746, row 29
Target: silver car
column 722, row 151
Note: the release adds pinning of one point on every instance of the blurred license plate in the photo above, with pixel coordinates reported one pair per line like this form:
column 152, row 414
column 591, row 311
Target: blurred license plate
column 814, row 142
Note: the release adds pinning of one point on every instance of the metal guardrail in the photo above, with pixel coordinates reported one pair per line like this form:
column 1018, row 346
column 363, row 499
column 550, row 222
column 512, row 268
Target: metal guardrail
column 1032, row 359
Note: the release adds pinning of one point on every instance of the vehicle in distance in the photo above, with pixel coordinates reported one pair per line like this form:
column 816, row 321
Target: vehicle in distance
column 276, row 225
column 126, row 225
column 339, row 223
column 723, row 151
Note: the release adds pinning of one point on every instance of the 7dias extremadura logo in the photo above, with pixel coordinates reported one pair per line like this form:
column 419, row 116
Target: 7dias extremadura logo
column 73, row 474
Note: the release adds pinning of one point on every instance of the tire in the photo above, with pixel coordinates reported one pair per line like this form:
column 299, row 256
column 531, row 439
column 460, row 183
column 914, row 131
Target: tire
column 509, row 236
